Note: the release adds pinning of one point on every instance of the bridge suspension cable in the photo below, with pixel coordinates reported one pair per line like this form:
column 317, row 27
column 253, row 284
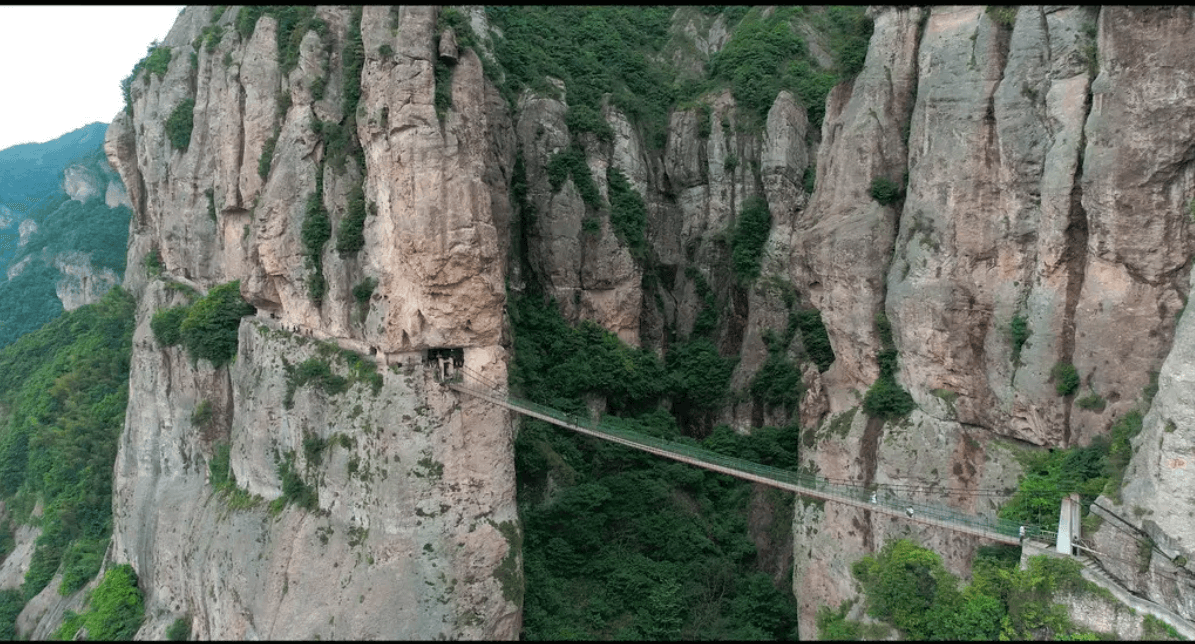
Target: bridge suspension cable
column 884, row 500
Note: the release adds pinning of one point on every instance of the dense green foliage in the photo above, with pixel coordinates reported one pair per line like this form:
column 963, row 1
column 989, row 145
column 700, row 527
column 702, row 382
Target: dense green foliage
column 620, row 544
column 753, row 60
column 65, row 388
column 351, row 236
column 886, row 399
column 886, row 191
column 179, row 631
column 571, row 163
column 317, row 230
column 628, row 213
column 166, row 325
column 180, row 123
column 11, row 603
column 294, row 21
column 765, row 55
column 115, row 609
column 315, row 371
column 156, row 61
column 364, row 289
column 294, row 488
column 750, row 235
column 1018, row 332
column 1090, row 471
column 595, row 50
column 815, row 338
column 907, row 587
column 209, row 330
column 1066, row 378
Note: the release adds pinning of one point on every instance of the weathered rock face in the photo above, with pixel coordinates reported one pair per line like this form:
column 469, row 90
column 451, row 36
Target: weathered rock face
column 415, row 535
column 81, row 283
column 1030, row 194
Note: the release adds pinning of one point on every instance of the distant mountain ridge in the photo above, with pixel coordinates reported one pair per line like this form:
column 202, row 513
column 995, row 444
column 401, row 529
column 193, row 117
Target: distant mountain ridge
column 64, row 217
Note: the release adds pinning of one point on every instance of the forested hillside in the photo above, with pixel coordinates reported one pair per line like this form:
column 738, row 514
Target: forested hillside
column 63, row 393
column 64, row 224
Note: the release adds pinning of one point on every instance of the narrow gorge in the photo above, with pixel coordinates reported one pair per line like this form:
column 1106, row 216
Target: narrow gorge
column 907, row 248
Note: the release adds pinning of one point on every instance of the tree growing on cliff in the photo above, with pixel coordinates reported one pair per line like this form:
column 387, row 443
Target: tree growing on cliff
column 210, row 329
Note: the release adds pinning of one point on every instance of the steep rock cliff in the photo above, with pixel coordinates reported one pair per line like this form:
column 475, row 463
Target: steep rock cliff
column 1044, row 171
column 415, row 533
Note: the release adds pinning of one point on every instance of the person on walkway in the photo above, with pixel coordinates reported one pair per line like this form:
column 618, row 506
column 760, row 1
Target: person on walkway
column 1022, row 535
column 909, row 511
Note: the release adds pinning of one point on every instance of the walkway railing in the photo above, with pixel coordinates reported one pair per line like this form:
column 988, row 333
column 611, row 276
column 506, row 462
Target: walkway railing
column 808, row 485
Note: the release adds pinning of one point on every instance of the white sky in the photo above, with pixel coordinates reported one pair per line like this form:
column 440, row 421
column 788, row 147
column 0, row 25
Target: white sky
column 61, row 66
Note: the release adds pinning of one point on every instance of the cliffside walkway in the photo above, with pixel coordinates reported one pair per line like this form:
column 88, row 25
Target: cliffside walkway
column 807, row 485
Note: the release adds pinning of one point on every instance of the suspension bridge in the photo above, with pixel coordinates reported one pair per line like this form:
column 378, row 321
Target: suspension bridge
column 881, row 501
column 1065, row 542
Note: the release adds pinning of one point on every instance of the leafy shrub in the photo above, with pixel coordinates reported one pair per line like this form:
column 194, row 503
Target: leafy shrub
column 704, row 115
column 582, row 118
column 1120, row 450
column 1066, row 378
column 885, row 191
column 202, row 414
column 313, row 370
column 815, row 338
column 267, row 156
column 1004, row 16
column 386, row 51
column 628, row 214
column 166, row 325
column 751, row 61
column 699, row 376
column 1050, row 476
column 180, row 124
column 849, row 31
column 156, row 61
column 1092, row 402
column 1018, row 331
column 571, row 162
column 351, row 236
column 778, row 382
column 11, row 604
column 750, row 236
column 153, row 263
column 442, row 98
column 888, row 400
column 80, row 562
column 180, row 630
column 220, row 467
column 595, row 50
column 364, row 290
column 294, row 489
column 115, row 610
column 317, row 230
column 706, row 322
column 209, row 330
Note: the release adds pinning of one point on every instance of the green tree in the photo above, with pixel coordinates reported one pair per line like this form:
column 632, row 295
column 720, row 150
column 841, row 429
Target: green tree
column 210, row 329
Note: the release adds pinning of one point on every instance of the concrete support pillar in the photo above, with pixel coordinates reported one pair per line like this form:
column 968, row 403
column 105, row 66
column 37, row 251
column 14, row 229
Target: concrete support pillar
column 1069, row 524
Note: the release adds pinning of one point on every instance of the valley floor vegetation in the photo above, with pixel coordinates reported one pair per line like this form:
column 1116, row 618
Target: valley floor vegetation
column 63, row 392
